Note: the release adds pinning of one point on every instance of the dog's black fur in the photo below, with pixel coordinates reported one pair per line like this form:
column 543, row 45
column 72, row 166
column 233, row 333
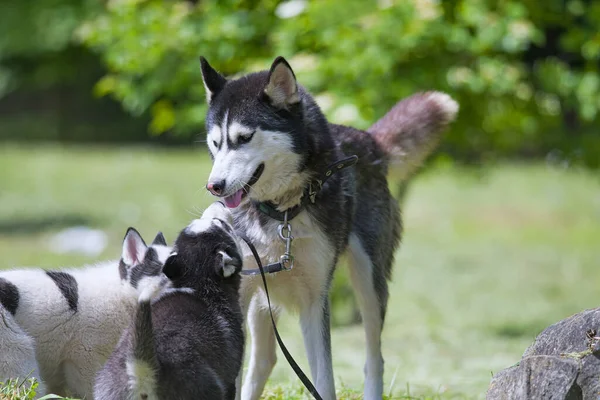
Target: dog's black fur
column 191, row 338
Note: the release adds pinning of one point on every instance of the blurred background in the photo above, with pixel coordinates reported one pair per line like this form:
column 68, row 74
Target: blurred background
column 101, row 127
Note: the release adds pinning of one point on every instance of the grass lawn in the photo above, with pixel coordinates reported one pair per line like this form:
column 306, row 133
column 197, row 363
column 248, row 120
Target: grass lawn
column 490, row 255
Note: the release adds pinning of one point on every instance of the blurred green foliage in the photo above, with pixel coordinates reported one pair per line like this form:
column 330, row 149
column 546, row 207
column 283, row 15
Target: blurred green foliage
column 525, row 72
column 47, row 76
column 36, row 42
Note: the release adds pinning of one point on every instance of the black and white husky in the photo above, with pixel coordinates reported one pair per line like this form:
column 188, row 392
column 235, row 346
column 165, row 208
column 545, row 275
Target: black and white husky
column 63, row 325
column 271, row 146
column 189, row 343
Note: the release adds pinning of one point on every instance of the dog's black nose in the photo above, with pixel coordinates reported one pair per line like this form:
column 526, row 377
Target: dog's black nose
column 216, row 188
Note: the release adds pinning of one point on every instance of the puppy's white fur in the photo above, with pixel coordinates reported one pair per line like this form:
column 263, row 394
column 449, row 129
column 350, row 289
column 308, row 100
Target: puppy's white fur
column 142, row 379
column 70, row 346
column 18, row 352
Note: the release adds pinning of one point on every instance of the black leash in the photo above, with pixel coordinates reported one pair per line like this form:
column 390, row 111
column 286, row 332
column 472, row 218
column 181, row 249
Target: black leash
column 267, row 269
column 310, row 193
column 307, row 383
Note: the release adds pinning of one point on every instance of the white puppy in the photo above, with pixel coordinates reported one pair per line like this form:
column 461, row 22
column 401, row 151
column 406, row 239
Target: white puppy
column 75, row 316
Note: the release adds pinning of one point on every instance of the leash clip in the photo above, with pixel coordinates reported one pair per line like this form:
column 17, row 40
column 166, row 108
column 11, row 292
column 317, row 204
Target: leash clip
column 285, row 234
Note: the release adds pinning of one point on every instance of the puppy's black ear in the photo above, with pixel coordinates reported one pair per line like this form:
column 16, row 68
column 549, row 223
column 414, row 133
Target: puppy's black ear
column 214, row 82
column 282, row 89
column 173, row 268
column 229, row 265
column 159, row 239
column 134, row 248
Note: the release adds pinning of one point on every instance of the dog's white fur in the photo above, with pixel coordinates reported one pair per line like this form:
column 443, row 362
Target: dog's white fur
column 298, row 290
column 361, row 276
column 71, row 347
column 270, row 147
column 142, row 379
column 17, row 351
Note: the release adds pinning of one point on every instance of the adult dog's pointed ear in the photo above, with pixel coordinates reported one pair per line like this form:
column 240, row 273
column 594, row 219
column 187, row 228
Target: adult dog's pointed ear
column 282, row 89
column 214, row 82
column 134, row 248
column 159, row 239
column 229, row 265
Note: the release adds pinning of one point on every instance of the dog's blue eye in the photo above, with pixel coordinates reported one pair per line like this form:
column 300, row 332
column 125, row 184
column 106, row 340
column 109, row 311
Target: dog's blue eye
column 246, row 138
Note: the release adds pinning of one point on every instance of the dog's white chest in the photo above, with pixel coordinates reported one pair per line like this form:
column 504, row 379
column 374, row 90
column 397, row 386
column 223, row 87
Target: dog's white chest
column 313, row 258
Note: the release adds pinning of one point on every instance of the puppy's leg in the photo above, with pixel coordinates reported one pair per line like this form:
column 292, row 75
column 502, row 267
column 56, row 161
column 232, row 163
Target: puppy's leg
column 80, row 378
column 314, row 321
column 262, row 355
column 372, row 300
column 17, row 351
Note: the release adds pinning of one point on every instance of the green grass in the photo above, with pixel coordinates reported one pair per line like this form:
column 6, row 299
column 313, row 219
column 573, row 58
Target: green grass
column 18, row 389
column 490, row 255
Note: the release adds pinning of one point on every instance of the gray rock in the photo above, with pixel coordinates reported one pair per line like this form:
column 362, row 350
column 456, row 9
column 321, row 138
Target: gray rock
column 536, row 377
column 566, row 336
column 562, row 363
column 505, row 384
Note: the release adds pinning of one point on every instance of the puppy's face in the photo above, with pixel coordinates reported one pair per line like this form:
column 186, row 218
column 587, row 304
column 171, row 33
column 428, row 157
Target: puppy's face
column 207, row 249
column 139, row 261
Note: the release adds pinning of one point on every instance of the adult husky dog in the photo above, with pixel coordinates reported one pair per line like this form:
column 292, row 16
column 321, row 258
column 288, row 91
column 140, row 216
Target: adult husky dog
column 271, row 147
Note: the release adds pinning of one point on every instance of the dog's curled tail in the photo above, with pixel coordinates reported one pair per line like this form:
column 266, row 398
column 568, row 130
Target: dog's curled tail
column 142, row 365
column 411, row 130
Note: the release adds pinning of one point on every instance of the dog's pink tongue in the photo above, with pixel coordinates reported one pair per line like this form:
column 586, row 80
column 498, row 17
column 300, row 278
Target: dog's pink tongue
column 235, row 199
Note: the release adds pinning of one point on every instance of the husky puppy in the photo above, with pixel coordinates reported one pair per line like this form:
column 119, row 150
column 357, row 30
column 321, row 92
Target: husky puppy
column 269, row 142
column 188, row 344
column 75, row 316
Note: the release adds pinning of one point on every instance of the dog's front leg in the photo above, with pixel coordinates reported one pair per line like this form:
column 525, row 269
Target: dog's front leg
column 314, row 321
column 262, row 354
column 245, row 298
